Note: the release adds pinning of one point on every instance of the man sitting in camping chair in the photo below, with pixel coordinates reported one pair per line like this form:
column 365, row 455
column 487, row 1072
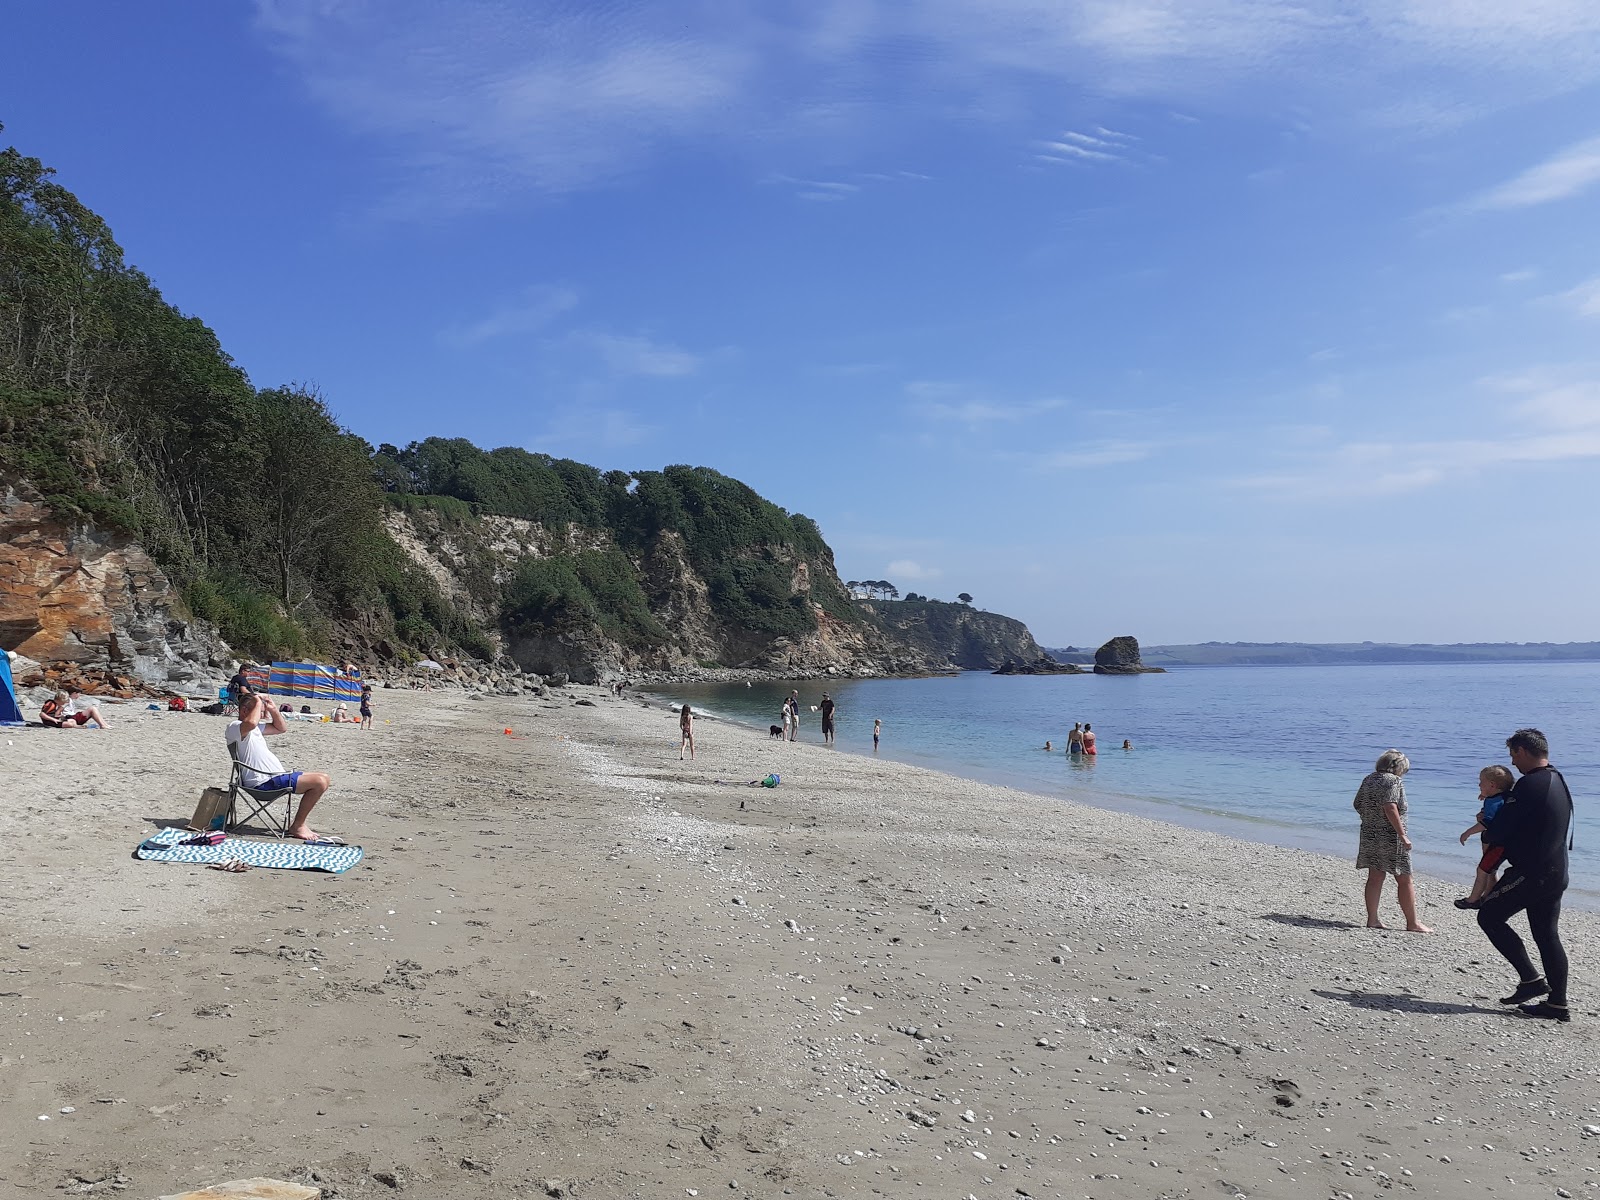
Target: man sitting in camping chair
column 260, row 767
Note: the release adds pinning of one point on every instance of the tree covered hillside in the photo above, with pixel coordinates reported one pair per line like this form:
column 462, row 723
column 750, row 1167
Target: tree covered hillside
column 128, row 414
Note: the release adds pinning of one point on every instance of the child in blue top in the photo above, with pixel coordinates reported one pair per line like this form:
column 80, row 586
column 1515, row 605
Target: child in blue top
column 1494, row 784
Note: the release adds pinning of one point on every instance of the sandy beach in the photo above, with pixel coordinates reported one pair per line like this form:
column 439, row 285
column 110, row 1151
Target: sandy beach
column 572, row 965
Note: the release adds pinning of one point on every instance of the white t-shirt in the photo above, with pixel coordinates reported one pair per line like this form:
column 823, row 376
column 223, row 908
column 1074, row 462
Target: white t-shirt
column 259, row 763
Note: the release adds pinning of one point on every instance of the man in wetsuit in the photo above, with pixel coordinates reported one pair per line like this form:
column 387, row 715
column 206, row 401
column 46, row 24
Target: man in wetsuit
column 826, row 708
column 1533, row 826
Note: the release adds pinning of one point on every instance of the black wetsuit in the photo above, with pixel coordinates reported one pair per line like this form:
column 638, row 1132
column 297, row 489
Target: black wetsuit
column 1534, row 826
column 827, row 718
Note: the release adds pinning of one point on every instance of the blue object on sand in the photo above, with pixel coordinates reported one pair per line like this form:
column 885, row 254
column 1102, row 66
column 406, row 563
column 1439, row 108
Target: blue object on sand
column 287, row 854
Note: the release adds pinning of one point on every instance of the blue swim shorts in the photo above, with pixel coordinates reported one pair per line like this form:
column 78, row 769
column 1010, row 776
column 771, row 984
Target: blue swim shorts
column 289, row 779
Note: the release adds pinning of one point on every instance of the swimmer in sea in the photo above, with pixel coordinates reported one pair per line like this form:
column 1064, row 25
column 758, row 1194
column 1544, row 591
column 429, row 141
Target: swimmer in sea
column 1075, row 738
column 1047, row 748
column 1088, row 739
column 1126, row 744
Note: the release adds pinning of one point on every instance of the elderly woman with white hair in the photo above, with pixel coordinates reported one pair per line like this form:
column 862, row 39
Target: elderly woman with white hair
column 1385, row 848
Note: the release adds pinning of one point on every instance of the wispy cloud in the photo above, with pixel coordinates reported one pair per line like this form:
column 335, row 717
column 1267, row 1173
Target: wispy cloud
column 940, row 400
column 913, row 571
column 1570, row 173
column 481, row 100
column 1551, row 416
column 1094, row 454
column 534, row 310
column 609, row 428
column 1583, row 299
column 1102, row 146
column 627, row 355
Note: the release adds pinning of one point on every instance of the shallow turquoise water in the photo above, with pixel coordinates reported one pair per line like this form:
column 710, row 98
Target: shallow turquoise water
column 1273, row 754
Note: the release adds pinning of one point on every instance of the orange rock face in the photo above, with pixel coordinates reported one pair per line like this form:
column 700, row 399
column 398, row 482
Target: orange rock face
column 78, row 599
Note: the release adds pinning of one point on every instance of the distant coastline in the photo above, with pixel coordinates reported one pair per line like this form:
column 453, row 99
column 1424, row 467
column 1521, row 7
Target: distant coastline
column 1274, row 654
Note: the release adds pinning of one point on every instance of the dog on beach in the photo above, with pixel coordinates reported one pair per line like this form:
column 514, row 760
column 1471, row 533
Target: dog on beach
column 775, row 731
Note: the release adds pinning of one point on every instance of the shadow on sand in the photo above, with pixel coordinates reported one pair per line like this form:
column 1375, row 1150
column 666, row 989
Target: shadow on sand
column 1304, row 922
column 1408, row 1002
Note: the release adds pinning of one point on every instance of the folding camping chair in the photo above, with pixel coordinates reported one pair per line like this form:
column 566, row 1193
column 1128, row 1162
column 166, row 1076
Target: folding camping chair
column 258, row 802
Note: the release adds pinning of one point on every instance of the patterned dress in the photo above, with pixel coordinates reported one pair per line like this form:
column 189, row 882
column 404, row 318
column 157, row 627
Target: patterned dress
column 1381, row 847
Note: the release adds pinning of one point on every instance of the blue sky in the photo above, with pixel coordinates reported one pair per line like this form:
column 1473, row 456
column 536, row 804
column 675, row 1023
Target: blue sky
column 1235, row 320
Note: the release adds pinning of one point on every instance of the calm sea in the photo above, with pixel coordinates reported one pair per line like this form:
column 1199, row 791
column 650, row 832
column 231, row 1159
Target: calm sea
column 1272, row 754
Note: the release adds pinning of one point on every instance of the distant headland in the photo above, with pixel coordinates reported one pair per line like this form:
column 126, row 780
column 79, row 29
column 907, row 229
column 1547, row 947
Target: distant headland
column 1279, row 654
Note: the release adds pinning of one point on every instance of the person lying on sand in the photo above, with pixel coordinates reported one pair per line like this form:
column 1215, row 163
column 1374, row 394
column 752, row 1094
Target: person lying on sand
column 62, row 711
column 259, row 715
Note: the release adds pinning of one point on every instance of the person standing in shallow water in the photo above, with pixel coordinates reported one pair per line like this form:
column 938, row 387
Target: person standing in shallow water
column 1534, row 826
column 1075, row 738
column 1385, row 846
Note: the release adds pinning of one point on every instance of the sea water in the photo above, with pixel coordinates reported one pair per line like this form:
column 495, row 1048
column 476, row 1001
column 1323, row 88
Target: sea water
column 1271, row 754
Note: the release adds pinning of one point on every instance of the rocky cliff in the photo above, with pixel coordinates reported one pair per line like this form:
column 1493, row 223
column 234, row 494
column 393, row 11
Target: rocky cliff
column 475, row 561
column 82, row 605
column 957, row 634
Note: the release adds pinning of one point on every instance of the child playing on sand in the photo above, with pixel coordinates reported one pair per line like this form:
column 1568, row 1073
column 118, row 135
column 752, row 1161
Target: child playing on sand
column 1494, row 783
column 366, row 707
column 686, row 733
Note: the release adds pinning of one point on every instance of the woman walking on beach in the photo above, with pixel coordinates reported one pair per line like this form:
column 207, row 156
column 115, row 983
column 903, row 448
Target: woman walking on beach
column 686, row 733
column 1385, row 848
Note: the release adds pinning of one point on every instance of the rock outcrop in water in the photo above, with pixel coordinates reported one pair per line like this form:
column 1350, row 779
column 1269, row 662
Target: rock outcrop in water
column 1044, row 665
column 1120, row 656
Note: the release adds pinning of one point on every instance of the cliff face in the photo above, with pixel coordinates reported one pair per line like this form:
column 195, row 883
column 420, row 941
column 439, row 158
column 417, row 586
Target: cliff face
column 92, row 607
column 958, row 634
column 474, row 562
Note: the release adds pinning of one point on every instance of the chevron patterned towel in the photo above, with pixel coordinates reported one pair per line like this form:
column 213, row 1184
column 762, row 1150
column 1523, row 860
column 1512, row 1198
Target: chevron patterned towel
column 286, row 853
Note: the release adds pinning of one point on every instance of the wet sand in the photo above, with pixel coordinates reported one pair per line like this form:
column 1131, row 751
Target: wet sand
column 573, row 966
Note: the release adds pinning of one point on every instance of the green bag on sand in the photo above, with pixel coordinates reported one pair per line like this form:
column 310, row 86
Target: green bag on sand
column 771, row 781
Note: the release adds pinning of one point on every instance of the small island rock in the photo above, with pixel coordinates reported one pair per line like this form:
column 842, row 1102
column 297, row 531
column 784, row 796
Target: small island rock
column 1120, row 656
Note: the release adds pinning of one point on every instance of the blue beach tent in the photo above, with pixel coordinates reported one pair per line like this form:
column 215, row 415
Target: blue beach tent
column 10, row 714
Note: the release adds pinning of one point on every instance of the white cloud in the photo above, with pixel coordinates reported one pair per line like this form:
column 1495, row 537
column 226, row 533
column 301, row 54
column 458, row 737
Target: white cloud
column 915, row 572
column 638, row 355
column 943, row 400
column 1553, row 416
column 1560, row 177
column 1584, row 299
column 481, row 100
column 590, row 427
column 1521, row 275
column 1095, row 454
column 537, row 308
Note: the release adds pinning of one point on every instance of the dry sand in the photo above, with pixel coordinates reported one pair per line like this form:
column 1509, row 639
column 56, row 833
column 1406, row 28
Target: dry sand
column 572, row 966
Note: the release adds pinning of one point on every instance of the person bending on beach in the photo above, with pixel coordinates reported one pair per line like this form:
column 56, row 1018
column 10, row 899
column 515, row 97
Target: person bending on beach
column 686, row 733
column 1533, row 825
column 62, row 711
column 1494, row 784
column 1385, row 847
column 258, row 716
column 826, row 708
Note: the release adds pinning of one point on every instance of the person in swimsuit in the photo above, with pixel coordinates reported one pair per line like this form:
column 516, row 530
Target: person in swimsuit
column 1088, row 739
column 877, row 731
column 686, row 733
column 1075, row 739
column 366, row 707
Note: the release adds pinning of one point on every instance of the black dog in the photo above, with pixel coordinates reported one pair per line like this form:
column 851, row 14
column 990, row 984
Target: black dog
column 775, row 731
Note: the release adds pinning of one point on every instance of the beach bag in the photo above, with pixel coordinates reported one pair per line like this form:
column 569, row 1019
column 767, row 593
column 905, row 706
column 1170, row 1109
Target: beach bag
column 214, row 710
column 771, row 781
column 212, row 811
column 177, row 704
